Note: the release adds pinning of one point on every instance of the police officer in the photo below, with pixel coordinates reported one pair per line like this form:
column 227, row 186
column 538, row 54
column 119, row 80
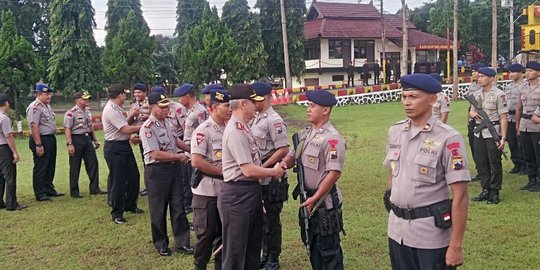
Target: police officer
column 473, row 87
column 162, row 175
column 529, row 132
column 270, row 132
column 79, row 137
column 206, row 154
column 487, row 151
column 138, row 113
column 441, row 108
column 41, row 120
column 512, row 94
column 424, row 157
column 123, row 171
column 8, row 160
column 536, row 120
column 240, row 202
column 206, row 92
column 322, row 154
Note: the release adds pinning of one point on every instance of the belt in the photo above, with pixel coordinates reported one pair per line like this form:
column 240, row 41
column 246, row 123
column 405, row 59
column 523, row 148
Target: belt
column 124, row 141
column 47, row 135
column 85, row 134
column 410, row 214
column 511, row 112
column 4, row 145
column 243, row 183
column 168, row 163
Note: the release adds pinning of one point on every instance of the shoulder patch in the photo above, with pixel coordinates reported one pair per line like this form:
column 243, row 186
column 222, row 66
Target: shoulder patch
column 239, row 125
column 200, row 137
column 69, row 115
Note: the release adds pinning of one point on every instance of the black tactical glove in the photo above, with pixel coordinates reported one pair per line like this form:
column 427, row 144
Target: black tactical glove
column 386, row 200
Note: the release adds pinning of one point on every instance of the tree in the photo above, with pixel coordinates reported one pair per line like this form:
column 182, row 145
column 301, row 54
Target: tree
column 20, row 66
column 271, row 35
column 74, row 64
column 129, row 55
column 117, row 10
column 246, row 30
column 209, row 50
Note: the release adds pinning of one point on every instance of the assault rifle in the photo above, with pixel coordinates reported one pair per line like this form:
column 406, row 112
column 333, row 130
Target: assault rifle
column 304, row 212
column 486, row 123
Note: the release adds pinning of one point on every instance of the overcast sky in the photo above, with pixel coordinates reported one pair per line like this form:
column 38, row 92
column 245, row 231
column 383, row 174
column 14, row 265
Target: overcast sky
column 161, row 14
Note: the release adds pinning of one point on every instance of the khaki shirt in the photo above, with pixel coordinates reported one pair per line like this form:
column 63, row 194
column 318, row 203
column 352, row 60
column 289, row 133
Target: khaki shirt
column 323, row 151
column 512, row 96
column 78, row 120
column 270, row 132
column 493, row 102
column 473, row 87
column 156, row 136
column 195, row 117
column 423, row 163
column 529, row 98
column 144, row 110
column 5, row 127
column 442, row 105
column 239, row 147
column 177, row 119
column 113, row 119
column 43, row 116
column 208, row 143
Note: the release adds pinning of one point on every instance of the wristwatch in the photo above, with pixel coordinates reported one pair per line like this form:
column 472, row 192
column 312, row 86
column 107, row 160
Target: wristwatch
column 39, row 145
column 68, row 144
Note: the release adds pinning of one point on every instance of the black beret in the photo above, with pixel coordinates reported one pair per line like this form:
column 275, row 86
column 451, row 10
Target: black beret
column 43, row 88
column 261, row 88
column 477, row 66
column 219, row 95
column 159, row 89
column 244, row 91
column 116, row 89
column 322, row 97
column 3, row 99
column 184, row 89
column 211, row 87
column 436, row 76
column 490, row 72
column 84, row 95
column 515, row 68
column 420, row 81
column 157, row 98
column 533, row 65
column 140, row 86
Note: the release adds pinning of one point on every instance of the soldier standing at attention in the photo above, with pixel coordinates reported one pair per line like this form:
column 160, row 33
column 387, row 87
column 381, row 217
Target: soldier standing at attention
column 206, row 154
column 424, row 158
column 240, row 201
column 163, row 177
column 322, row 154
column 124, row 174
column 270, row 132
column 8, row 160
column 138, row 113
column 79, row 137
column 441, row 108
column 512, row 95
column 41, row 120
column 529, row 131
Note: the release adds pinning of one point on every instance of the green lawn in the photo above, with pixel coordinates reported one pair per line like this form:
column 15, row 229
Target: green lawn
column 75, row 234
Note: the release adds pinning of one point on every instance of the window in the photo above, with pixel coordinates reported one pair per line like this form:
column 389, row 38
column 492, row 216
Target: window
column 426, row 56
column 312, row 50
column 364, row 49
column 336, row 47
column 338, row 78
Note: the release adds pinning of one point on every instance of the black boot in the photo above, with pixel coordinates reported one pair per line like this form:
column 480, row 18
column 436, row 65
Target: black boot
column 535, row 187
column 493, row 197
column 272, row 263
column 532, row 181
column 200, row 266
column 484, row 195
column 514, row 170
column 264, row 259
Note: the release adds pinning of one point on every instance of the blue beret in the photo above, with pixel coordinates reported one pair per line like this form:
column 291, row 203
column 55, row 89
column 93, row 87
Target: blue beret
column 490, row 72
column 436, row 76
column 211, row 87
column 420, row 81
column 533, row 65
column 43, row 88
column 322, row 97
column 159, row 89
column 515, row 68
column 140, row 86
column 182, row 90
column 261, row 88
column 219, row 95
column 477, row 66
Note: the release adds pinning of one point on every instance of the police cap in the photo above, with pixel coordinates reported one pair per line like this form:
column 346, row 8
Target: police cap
column 322, row 97
column 515, row 68
column 487, row 71
column 261, row 88
column 533, row 65
column 219, row 95
column 43, row 88
column 140, row 87
column 159, row 89
column 184, row 89
column 476, row 66
column 244, row 91
column 420, row 81
column 160, row 99
column 211, row 87
column 81, row 94
column 116, row 89
column 436, row 76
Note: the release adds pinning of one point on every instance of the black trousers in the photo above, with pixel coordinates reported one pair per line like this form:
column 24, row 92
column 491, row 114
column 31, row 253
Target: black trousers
column 123, row 176
column 84, row 150
column 470, row 134
column 207, row 225
column 325, row 252
column 44, row 166
column 350, row 80
column 515, row 145
column 403, row 257
column 531, row 152
column 240, row 209
column 376, row 79
column 488, row 163
column 186, row 178
column 8, row 177
column 165, row 191
column 272, row 238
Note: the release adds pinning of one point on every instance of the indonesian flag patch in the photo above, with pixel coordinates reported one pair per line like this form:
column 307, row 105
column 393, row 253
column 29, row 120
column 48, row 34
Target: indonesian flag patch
column 446, row 216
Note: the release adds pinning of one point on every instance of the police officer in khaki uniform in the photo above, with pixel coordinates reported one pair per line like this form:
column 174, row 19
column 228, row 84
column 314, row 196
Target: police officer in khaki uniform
column 206, row 92
column 441, row 108
column 82, row 144
column 512, row 96
column 473, row 87
column 41, row 120
column 529, row 131
column 8, row 160
column 487, row 151
column 123, row 171
column 536, row 119
column 270, row 132
column 425, row 157
column 206, row 154
column 162, row 175
column 139, row 111
column 322, row 154
column 240, row 201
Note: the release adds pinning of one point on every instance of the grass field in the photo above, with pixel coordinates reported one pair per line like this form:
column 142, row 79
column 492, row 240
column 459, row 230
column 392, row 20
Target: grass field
column 79, row 234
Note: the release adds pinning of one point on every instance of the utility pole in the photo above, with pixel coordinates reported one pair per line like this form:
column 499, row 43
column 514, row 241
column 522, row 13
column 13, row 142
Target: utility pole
column 288, row 82
column 494, row 34
column 405, row 49
column 511, row 10
column 446, row 4
column 455, row 54
column 383, row 44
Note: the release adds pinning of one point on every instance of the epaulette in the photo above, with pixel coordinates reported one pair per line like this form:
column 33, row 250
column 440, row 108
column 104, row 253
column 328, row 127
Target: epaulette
column 451, row 131
column 74, row 109
column 37, row 104
column 401, row 122
column 147, row 123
